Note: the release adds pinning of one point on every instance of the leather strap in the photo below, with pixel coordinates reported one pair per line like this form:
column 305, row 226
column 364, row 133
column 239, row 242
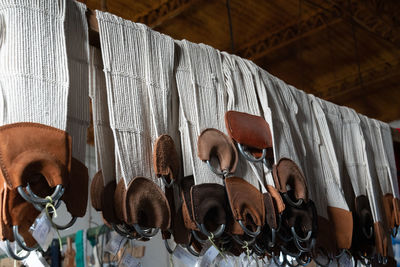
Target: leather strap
column 286, row 172
column 187, row 213
column 76, row 192
column 210, row 205
column 213, row 142
column 165, row 157
column 97, row 191
column 246, row 203
column 145, row 204
column 250, row 130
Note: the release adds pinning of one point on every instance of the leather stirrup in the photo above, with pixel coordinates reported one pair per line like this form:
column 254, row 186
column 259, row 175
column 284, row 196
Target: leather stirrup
column 213, row 142
column 249, row 130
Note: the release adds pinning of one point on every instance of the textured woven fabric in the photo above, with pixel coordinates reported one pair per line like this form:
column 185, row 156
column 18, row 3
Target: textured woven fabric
column 311, row 160
column 376, row 133
column 329, row 159
column 34, row 78
column 202, row 99
column 44, row 69
column 103, row 135
column 77, row 45
column 138, row 66
column 357, row 161
column 241, row 81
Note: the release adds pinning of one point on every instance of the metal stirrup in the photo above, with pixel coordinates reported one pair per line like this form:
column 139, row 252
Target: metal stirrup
column 250, row 157
column 37, row 200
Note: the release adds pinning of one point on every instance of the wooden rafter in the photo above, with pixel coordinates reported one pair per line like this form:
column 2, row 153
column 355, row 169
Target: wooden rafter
column 152, row 18
column 308, row 26
column 365, row 14
column 164, row 12
column 351, row 86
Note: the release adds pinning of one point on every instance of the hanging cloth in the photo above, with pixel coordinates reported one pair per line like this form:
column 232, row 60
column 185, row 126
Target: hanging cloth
column 375, row 132
column 241, row 81
column 103, row 135
column 360, row 168
column 138, row 66
column 33, row 63
column 129, row 52
column 328, row 127
column 202, row 99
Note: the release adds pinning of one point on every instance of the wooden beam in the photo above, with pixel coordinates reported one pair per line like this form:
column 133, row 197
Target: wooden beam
column 166, row 11
column 153, row 18
column 368, row 15
column 289, row 34
column 351, row 86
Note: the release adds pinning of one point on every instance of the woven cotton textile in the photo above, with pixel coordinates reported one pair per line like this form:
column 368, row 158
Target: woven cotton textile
column 34, row 80
column 103, row 135
column 138, row 69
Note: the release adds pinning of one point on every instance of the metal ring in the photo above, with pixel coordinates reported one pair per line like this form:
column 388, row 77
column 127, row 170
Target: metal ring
column 61, row 227
column 217, row 233
column 191, row 250
column 197, row 237
column 291, row 202
column 20, row 240
column 304, row 249
column 214, row 170
column 247, row 231
column 30, row 192
column 37, row 200
column 11, row 253
column 166, row 184
column 145, row 232
column 170, row 251
column 344, row 251
column 305, row 239
column 250, row 157
column 122, row 231
column 368, row 235
column 259, row 251
column 237, row 239
column 287, row 252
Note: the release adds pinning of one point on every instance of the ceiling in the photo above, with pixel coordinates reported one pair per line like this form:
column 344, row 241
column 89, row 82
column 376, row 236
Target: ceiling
column 345, row 51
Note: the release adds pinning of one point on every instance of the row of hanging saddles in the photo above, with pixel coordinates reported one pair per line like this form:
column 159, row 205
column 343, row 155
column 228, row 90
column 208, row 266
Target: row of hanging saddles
column 281, row 223
column 39, row 172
